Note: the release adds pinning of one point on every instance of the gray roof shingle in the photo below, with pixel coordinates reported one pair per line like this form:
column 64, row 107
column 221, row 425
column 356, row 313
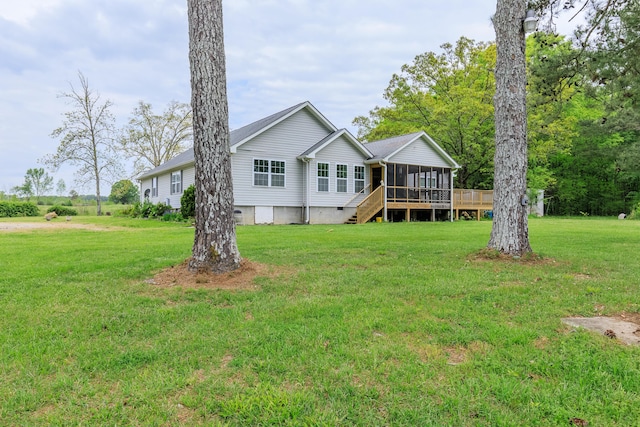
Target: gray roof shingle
column 385, row 147
column 236, row 136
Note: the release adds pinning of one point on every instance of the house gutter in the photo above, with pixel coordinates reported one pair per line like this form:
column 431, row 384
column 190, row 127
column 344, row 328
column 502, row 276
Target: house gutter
column 307, row 189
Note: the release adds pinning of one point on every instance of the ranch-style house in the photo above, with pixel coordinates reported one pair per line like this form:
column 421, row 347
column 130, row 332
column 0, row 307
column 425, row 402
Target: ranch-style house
column 295, row 166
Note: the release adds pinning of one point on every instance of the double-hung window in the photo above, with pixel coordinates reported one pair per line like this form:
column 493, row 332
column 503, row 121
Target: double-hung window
column 358, row 179
column 176, row 182
column 268, row 173
column 277, row 173
column 341, row 178
column 154, row 186
column 323, row 177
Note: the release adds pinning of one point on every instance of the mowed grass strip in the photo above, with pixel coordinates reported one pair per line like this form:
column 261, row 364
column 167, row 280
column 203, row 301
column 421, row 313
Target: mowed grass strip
column 379, row 324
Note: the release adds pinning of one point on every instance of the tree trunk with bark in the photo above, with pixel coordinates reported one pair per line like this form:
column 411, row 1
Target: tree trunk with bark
column 214, row 247
column 510, row 233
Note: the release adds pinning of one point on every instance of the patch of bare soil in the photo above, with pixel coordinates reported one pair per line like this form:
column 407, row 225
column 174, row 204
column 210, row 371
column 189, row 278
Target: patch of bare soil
column 242, row 278
column 624, row 327
column 496, row 256
column 48, row 225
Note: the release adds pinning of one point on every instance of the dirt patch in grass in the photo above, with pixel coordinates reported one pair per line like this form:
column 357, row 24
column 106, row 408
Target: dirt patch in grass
column 6, row 227
column 497, row 256
column 242, row 278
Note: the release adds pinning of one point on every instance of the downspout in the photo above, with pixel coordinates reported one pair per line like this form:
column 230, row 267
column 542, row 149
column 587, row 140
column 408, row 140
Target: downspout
column 307, row 218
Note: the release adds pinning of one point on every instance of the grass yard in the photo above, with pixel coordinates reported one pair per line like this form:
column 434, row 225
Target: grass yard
column 379, row 324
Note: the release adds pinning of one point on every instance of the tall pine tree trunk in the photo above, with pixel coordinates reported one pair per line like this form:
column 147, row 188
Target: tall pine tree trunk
column 510, row 233
column 214, row 247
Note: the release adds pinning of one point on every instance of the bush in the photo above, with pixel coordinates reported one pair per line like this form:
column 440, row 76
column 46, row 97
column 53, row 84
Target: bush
column 66, row 203
column 148, row 210
column 159, row 210
column 63, row 211
column 188, row 202
column 142, row 210
column 173, row 216
column 13, row 209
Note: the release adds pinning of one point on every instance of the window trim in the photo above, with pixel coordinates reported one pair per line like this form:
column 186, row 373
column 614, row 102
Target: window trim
column 175, row 185
column 344, row 180
column 154, row 186
column 323, row 178
column 357, row 180
column 269, row 172
column 277, row 174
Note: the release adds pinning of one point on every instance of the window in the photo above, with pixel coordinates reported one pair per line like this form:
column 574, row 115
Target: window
column 323, row 176
column 261, row 172
column 268, row 173
column 176, row 182
column 341, row 178
column 358, row 179
column 277, row 173
column 154, row 186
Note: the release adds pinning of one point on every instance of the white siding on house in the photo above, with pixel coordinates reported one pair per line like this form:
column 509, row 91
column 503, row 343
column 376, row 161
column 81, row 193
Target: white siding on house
column 340, row 151
column 306, row 135
column 145, row 185
column 285, row 141
column 419, row 152
column 164, row 187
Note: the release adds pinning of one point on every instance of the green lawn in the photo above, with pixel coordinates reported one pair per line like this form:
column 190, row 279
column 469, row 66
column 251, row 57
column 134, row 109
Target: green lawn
column 379, row 324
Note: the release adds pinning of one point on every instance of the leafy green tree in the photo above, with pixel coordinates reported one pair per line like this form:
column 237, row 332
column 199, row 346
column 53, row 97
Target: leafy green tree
column 25, row 190
column 152, row 139
column 552, row 83
column 61, row 187
column 87, row 138
column 124, row 192
column 450, row 96
column 595, row 82
column 37, row 182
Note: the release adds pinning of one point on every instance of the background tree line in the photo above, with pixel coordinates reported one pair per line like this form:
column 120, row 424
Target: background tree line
column 90, row 141
column 582, row 110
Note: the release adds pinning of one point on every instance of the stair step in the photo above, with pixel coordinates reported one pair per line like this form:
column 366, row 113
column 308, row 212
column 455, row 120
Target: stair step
column 352, row 220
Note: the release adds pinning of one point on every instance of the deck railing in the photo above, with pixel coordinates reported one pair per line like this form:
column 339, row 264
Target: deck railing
column 370, row 205
column 418, row 195
column 472, row 199
column 358, row 194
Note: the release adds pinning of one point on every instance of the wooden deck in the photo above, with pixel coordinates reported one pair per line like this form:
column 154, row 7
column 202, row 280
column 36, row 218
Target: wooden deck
column 476, row 201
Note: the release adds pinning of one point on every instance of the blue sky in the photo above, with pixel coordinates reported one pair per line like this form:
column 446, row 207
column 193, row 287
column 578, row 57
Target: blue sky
column 338, row 54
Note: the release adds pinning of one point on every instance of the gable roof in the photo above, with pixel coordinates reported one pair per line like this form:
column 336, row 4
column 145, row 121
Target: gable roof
column 384, row 149
column 244, row 134
column 313, row 150
column 241, row 135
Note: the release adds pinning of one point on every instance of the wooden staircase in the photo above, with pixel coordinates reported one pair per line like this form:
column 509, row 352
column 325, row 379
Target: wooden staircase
column 369, row 207
column 352, row 220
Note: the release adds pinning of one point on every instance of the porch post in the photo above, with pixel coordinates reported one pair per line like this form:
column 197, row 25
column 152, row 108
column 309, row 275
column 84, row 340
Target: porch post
column 453, row 174
column 384, row 191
